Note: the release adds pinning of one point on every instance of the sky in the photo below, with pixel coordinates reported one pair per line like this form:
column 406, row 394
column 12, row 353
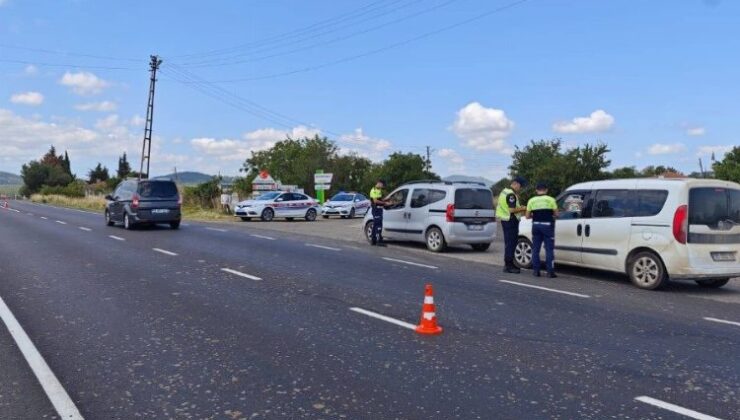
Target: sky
column 657, row 81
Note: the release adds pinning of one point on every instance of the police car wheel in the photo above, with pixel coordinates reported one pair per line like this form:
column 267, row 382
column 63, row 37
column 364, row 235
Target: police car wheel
column 435, row 240
column 311, row 215
column 267, row 215
column 523, row 253
column 712, row 284
column 646, row 271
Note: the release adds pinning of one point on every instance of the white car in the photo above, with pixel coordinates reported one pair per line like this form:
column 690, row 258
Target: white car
column 346, row 205
column 653, row 229
column 274, row 204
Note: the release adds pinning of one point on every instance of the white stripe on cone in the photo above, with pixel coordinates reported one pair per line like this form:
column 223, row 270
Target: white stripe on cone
column 429, row 300
column 429, row 315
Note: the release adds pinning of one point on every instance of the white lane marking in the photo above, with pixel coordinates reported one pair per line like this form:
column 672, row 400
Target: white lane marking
column 384, row 318
column 676, row 408
column 546, row 288
column 240, row 274
column 45, row 218
column 164, row 251
column 217, row 229
column 118, row 238
column 722, row 321
column 86, row 229
column 269, row 238
column 324, row 247
column 61, row 223
column 54, row 390
column 410, row 263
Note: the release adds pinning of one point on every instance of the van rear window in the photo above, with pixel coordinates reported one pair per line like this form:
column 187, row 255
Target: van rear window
column 712, row 206
column 473, row 199
column 157, row 189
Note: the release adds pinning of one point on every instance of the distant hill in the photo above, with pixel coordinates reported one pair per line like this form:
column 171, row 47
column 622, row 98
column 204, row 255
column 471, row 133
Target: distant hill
column 190, row 178
column 6, row 178
column 465, row 178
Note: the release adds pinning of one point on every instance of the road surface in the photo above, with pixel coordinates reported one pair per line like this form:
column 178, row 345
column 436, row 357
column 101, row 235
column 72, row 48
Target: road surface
column 224, row 321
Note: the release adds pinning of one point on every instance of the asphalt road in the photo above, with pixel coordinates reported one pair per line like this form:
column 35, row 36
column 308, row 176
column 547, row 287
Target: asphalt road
column 219, row 321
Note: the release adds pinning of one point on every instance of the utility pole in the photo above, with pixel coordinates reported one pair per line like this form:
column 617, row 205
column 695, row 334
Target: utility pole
column 428, row 162
column 146, row 147
column 701, row 169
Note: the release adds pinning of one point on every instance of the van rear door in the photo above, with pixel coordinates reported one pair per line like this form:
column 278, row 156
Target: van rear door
column 713, row 237
column 158, row 200
column 474, row 207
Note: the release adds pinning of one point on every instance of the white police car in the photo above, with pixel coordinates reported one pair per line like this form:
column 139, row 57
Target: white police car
column 274, row 204
column 346, row 205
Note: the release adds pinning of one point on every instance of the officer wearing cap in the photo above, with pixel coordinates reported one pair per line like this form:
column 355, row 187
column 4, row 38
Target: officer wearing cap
column 543, row 210
column 507, row 210
column 376, row 193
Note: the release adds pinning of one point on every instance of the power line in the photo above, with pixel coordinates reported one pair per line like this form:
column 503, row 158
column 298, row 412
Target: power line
column 68, row 53
column 44, row 64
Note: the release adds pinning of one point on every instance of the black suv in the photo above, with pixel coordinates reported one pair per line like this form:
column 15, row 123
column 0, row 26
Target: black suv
column 144, row 202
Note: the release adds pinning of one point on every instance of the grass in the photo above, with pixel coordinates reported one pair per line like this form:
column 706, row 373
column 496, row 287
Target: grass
column 9, row 189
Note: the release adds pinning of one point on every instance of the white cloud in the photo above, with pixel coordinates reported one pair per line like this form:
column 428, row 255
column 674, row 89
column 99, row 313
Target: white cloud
column 363, row 145
column 270, row 136
column 483, row 128
column 666, row 149
column 30, row 69
column 104, row 106
column 598, row 121
column 107, row 123
column 695, row 131
column 28, row 98
column 718, row 151
column 455, row 161
column 84, row 83
column 137, row 121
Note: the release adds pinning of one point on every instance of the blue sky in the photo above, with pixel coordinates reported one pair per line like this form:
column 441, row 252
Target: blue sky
column 656, row 81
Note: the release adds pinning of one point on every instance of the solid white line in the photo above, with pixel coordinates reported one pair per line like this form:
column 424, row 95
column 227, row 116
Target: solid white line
column 85, row 229
column 676, row 409
column 263, row 237
column 164, row 251
column 323, row 247
column 384, row 318
column 546, row 288
column 410, row 263
column 722, row 321
column 240, row 274
column 118, row 238
column 54, row 390
column 45, row 218
column 217, row 229
column 61, row 223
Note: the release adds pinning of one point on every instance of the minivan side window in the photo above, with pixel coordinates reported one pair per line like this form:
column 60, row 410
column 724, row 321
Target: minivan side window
column 613, row 203
column 573, row 205
column 650, row 202
column 397, row 200
column 423, row 197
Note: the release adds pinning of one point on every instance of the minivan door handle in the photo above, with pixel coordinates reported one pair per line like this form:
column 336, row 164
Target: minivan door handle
column 588, row 230
column 579, row 229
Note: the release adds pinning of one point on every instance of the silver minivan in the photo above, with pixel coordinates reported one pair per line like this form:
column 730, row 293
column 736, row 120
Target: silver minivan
column 439, row 213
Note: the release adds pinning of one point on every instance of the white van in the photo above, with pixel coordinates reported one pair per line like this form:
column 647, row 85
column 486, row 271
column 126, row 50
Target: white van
column 653, row 229
column 439, row 213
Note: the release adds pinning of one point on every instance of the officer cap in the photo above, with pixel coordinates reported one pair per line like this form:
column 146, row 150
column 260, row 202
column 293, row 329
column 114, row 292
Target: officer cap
column 520, row 180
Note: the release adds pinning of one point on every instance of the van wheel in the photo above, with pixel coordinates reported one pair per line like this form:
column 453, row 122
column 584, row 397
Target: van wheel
column 369, row 231
column 127, row 224
column 480, row 247
column 311, row 215
column 246, row 219
column 352, row 213
column 712, row 284
column 175, row 224
column 523, row 253
column 267, row 215
column 646, row 271
column 108, row 220
column 435, row 240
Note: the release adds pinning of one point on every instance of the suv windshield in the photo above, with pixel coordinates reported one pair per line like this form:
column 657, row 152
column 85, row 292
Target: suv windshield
column 157, row 189
column 473, row 199
column 342, row 197
column 268, row 196
column 712, row 206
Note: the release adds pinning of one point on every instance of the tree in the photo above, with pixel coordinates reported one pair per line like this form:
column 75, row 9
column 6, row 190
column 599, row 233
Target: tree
column 660, row 170
column 625, row 172
column 34, row 175
column 66, row 165
column 729, row 167
column 351, row 172
column 124, row 168
column 400, row 168
column 98, row 174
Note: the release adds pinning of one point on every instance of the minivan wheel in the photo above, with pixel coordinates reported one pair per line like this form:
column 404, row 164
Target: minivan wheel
column 480, row 247
column 108, row 220
column 712, row 284
column 646, row 271
column 175, row 224
column 369, row 231
column 523, row 253
column 311, row 215
column 267, row 214
column 352, row 213
column 435, row 240
column 127, row 222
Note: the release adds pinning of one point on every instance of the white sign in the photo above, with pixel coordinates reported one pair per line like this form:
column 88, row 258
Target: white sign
column 322, row 187
column 322, row 178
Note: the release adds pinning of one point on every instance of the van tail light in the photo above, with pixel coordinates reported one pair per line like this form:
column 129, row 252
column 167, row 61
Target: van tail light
column 450, row 213
column 681, row 224
column 135, row 202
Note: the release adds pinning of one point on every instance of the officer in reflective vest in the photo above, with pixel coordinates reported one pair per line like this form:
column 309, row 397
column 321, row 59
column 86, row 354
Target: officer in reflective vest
column 508, row 210
column 543, row 210
column 376, row 195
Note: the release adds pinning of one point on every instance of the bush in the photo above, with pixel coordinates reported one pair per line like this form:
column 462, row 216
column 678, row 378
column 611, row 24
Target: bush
column 73, row 189
column 206, row 195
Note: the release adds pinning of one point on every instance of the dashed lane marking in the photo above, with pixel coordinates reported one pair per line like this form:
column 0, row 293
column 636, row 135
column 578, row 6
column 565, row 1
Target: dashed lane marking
column 86, row 229
column 384, row 318
column 118, row 238
column 675, row 408
column 329, row 248
column 269, row 238
column 545, row 288
column 45, row 218
column 410, row 263
column 240, row 274
column 216, row 229
column 722, row 321
column 61, row 223
column 165, row 252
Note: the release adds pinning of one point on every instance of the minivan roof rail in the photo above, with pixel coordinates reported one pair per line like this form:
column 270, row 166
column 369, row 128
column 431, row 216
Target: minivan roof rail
column 438, row 181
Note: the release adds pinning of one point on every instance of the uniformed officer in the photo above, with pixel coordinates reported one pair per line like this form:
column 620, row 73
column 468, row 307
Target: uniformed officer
column 543, row 210
column 508, row 210
column 376, row 195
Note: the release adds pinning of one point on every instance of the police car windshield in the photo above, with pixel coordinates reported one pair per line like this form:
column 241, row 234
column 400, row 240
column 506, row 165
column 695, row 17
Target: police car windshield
column 342, row 197
column 268, row 196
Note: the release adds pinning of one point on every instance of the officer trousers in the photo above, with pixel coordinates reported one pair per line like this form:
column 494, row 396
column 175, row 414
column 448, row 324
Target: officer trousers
column 511, row 235
column 543, row 233
column 377, row 233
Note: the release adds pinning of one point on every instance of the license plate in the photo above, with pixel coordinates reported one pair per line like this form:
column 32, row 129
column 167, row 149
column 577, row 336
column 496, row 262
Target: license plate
column 723, row 256
column 160, row 211
column 475, row 227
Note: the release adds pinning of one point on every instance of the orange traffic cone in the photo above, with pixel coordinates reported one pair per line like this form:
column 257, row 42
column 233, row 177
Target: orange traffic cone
column 428, row 322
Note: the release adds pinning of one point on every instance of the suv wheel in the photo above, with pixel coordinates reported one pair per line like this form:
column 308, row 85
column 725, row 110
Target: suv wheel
column 435, row 240
column 712, row 284
column 523, row 253
column 127, row 224
column 646, row 271
column 108, row 220
column 311, row 215
column 480, row 247
column 267, row 214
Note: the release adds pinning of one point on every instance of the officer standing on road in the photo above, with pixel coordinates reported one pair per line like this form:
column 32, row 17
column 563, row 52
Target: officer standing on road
column 507, row 210
column 376, row 195
column 543, row 210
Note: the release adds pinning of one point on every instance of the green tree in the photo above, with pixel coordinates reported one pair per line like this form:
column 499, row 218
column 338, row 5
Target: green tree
column 400, row 168
column 351, row 173
column 729, row 167
column 97, row 174
column 124, row 168
column 660, row 170
column 34, row 175
column 625, row 172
